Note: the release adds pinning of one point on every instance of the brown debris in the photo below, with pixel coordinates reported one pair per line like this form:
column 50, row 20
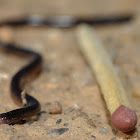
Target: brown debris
column 54, row 108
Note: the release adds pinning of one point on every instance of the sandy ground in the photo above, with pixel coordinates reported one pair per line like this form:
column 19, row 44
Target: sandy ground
column 66, row 78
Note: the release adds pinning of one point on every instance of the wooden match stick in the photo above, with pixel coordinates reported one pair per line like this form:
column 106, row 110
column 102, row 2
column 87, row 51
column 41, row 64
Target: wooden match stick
column 123, row 117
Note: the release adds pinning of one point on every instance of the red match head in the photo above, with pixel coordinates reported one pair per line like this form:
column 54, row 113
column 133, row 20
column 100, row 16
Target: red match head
column 124, row 119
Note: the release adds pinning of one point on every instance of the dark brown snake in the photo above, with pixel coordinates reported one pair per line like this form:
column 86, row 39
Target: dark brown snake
column 32, row 107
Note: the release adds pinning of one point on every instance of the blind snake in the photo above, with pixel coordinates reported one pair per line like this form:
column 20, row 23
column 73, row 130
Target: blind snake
column 32, row 106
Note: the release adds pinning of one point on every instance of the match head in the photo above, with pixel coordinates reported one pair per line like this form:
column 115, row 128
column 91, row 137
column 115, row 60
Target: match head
column 124, row 119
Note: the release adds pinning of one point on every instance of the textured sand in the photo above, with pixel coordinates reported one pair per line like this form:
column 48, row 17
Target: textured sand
column 66, row 77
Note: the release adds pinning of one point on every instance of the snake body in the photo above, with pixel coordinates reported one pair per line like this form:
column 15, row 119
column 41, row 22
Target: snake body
column 32, row 106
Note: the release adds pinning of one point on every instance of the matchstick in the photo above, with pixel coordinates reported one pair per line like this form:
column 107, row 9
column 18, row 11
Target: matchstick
column 123, row 117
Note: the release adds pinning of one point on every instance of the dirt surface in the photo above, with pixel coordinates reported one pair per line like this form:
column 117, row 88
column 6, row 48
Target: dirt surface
column 66, row 78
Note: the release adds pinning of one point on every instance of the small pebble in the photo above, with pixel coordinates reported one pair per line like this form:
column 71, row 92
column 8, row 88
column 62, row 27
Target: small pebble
column 66, row 124
column 87, row 119
column 94, row 138
column 103, row 131
column 43, row 112
column 58, row 121
column 55, row 108
column 59, row 131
